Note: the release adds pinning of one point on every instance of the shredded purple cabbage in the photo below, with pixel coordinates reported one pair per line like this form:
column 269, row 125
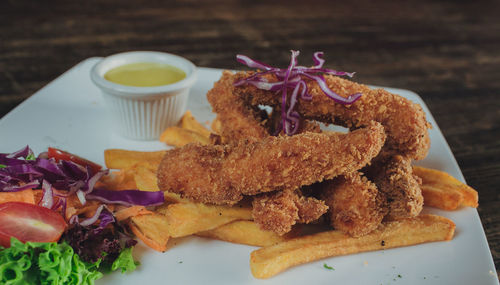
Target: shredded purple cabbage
column 21, row 170
column 293, row 78
column 127, row 197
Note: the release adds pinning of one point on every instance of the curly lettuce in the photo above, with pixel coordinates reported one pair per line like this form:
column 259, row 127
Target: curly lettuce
column 53, row 263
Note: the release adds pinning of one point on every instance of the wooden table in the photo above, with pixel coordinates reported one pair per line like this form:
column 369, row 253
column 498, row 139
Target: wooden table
column 447, row 52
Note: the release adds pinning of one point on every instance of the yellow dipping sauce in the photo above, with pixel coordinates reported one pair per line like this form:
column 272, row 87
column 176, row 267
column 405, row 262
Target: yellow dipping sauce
column 145, row 74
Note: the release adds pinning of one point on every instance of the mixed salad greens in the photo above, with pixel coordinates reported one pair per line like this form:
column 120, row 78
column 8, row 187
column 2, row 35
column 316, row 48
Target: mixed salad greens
column 39, row 242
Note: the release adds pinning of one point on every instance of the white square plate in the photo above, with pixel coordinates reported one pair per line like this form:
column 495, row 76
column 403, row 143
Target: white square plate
column 69, row 113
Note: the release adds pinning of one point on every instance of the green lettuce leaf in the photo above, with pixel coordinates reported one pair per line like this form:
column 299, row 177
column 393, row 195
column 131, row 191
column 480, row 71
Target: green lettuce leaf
column 53, row 264
column 125, row 261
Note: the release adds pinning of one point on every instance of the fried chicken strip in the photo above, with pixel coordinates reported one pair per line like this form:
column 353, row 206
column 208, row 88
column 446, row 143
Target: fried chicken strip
column 238, row 119
column 279, row 211
column 221, row 174
column 404, row 121
column 355, row 205
column 394, row 177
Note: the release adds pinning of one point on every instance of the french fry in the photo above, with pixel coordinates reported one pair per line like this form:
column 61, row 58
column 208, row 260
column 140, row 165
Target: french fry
column 118, row 180
column 177, row 136
column 146, row 180
column 152, row 229
column 269, row 261
column 174, row 198
column 188, row 122
column 443, row 191
column 245, row 232
column 441, row 198
column 188, row 218
column 120, row 158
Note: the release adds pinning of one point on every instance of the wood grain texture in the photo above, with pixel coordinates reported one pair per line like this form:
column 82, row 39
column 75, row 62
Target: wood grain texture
column 446, row 51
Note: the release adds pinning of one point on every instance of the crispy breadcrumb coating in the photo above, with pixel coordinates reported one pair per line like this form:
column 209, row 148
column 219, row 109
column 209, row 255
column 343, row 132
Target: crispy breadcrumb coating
column 279, row 211
column 355, row 205
column 404, row 121
column 222, row 174
column 394, row 177
column 238, row 119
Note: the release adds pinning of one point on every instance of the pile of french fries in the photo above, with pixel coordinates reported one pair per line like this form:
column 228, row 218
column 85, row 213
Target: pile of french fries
column 180, row 217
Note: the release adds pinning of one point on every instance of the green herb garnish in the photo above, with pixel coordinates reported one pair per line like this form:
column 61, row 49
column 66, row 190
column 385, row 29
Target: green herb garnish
column 30, row 156
column 3, row 166
column 328, row 267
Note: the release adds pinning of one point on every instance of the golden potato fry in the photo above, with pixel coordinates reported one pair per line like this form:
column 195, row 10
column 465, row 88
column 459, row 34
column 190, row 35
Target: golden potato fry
column 245, row 232
column 443, row 191
column 441, row 198
column 145, row 178
column 118, row 180
column 176, row 136
column 216, row 126
column 189, row 218
column 152, row 229
column 174, row 198
column 120, row 158
column 188, row 122
column 269, row 261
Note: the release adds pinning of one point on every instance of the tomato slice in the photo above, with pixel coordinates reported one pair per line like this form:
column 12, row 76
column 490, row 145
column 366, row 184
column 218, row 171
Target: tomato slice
column 58, row 155
column 28, row 222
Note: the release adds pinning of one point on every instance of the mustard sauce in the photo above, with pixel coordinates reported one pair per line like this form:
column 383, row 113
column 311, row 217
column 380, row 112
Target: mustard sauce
column 145, row 74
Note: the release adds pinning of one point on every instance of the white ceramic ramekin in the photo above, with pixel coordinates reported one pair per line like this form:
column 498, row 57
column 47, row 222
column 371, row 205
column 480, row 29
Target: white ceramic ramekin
column 144, row 112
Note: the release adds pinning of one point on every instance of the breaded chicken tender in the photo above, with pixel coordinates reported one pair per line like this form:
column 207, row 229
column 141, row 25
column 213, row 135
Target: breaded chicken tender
column 355, row 205
column 238, row 120
column 279, row 211
column 404, row 121
column 222, row 174
column 394, row 177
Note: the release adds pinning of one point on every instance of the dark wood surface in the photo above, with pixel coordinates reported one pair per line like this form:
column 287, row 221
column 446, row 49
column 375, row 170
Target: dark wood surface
column 446, row 51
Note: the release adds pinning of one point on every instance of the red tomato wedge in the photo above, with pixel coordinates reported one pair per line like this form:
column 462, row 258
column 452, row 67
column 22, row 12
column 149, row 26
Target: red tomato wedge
column 58, row 155
column 28, row 222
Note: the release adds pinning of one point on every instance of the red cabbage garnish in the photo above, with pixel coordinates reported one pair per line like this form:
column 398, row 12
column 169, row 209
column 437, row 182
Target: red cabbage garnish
column 127, row 197
column 21, row 170
column 25, row 152
column 294, row 78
